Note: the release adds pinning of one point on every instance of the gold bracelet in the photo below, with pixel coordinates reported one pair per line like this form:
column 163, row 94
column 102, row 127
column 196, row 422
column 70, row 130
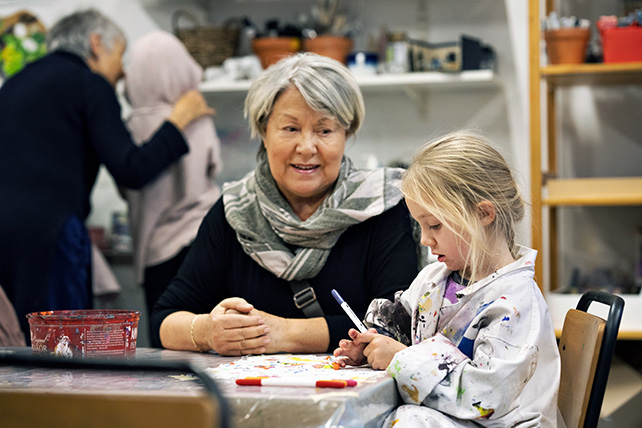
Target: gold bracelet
column 191, row 333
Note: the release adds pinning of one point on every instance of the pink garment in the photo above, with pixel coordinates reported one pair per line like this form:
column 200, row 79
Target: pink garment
column 165, row 215
column 10, row 333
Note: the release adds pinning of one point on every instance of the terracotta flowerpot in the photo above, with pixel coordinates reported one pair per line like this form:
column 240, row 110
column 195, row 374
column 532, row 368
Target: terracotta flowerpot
column 334, row 47
column 272, row 49
column 567, row 45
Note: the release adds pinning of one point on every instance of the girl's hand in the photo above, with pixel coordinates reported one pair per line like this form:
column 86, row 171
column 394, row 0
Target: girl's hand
column 352, row 350
column 380, row 351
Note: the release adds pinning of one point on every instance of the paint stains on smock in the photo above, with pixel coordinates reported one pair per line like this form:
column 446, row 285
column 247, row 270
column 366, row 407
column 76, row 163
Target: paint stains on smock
column 488, row 355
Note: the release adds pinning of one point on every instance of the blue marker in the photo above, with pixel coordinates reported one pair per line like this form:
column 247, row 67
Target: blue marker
column 362, row 328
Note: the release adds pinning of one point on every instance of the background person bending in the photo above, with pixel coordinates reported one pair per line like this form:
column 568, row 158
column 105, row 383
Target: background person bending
column 59, row 121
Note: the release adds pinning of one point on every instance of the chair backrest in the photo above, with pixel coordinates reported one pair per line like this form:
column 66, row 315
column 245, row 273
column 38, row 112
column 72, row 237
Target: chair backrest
column 586, row 348
column 25, row 407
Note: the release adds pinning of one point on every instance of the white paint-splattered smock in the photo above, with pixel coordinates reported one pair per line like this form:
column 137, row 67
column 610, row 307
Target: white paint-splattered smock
column 490, row 359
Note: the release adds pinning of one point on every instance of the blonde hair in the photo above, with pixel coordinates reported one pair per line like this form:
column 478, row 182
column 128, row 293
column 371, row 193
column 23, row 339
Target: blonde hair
column 326, row 85
column 450, row 176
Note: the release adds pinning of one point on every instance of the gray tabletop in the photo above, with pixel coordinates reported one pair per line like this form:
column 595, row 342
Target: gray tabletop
column 364, row 405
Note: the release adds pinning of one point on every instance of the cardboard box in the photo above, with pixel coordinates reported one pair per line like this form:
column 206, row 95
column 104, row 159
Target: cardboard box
column 467, row 53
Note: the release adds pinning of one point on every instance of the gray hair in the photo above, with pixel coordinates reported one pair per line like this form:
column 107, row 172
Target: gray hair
column 72, row 33
column 327, row 86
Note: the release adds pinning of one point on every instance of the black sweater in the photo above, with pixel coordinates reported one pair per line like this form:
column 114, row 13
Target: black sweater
column 59, row 121
column 370, row 260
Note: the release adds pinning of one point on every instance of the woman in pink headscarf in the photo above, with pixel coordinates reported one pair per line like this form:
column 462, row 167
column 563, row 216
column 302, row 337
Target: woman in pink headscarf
column 165, row 215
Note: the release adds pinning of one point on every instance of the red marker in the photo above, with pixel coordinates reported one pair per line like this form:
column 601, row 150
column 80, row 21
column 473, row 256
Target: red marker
column 279, row 381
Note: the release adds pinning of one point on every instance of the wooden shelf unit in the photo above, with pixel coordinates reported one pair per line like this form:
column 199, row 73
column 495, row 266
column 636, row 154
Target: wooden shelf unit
column 550, row 192
column 625, row 73
column 594, row 191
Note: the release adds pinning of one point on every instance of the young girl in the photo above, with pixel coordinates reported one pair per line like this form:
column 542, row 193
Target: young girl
column 471, row 342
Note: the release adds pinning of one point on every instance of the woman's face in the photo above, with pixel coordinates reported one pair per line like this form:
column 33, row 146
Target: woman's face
column 304, row 151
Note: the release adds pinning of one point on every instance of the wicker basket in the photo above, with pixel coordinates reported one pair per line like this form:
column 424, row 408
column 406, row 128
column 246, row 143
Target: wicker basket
column 208, row 45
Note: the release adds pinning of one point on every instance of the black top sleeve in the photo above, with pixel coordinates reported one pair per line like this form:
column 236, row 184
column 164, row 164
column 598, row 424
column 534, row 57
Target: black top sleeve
column 131, row 165
column 370, row 260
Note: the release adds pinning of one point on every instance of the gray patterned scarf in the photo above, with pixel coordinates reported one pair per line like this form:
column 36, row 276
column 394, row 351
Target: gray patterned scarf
column 292, row 249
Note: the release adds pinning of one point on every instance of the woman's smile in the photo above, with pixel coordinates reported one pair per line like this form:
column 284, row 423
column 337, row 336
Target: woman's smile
column 306, row 169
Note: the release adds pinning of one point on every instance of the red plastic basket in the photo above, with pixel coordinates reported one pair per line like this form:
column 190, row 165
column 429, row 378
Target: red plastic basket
column 622, row 44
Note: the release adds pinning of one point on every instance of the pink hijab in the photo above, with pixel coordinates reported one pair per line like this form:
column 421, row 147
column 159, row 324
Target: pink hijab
column 165, row 215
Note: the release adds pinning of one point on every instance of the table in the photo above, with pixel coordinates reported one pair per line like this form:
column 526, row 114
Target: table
column 365, row 405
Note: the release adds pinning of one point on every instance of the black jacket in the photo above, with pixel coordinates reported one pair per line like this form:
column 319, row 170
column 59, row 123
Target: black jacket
column 370, row 260
column 59, row 121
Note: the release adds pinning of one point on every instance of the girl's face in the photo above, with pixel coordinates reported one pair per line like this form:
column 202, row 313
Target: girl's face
column 304, row 150
column 443, row 242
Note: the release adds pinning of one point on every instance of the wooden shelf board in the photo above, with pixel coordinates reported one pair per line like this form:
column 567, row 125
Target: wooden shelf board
column 594, row 191
column 625, row 73
column 433, row 79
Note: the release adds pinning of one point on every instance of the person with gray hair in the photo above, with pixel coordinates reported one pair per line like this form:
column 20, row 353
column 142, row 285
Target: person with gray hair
column 259, row 275
column 73, row 33
column 59, row 121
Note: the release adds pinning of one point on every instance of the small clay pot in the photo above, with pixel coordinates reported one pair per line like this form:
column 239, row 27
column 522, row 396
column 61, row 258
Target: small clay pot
column 567, row 45
column 335, row 47
column 272, row 49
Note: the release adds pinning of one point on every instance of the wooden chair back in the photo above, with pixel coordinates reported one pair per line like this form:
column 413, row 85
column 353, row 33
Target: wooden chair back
column 586, row 349
column 579, row 346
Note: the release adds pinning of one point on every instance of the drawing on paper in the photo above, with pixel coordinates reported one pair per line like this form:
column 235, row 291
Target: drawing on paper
column 288, row 365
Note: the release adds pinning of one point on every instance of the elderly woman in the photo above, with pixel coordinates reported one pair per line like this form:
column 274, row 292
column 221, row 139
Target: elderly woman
column 59, row 121
column 259, row 275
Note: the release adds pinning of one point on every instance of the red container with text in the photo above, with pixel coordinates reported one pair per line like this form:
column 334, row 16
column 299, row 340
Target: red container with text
column 622, row 44
column 104, row 333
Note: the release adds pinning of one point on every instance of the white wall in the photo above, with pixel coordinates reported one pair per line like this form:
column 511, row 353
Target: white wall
column 394, row 126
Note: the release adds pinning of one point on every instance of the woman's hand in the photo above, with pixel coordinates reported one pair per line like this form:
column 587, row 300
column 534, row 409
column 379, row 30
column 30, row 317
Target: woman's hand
column 278, row 326
column 189, row 106
column 306, row 335
column 240, row 332
column 279, row 333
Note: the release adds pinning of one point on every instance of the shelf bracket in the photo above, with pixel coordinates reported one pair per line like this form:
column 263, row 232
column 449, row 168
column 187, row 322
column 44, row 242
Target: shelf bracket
column 548, row 175
column 419, row 97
